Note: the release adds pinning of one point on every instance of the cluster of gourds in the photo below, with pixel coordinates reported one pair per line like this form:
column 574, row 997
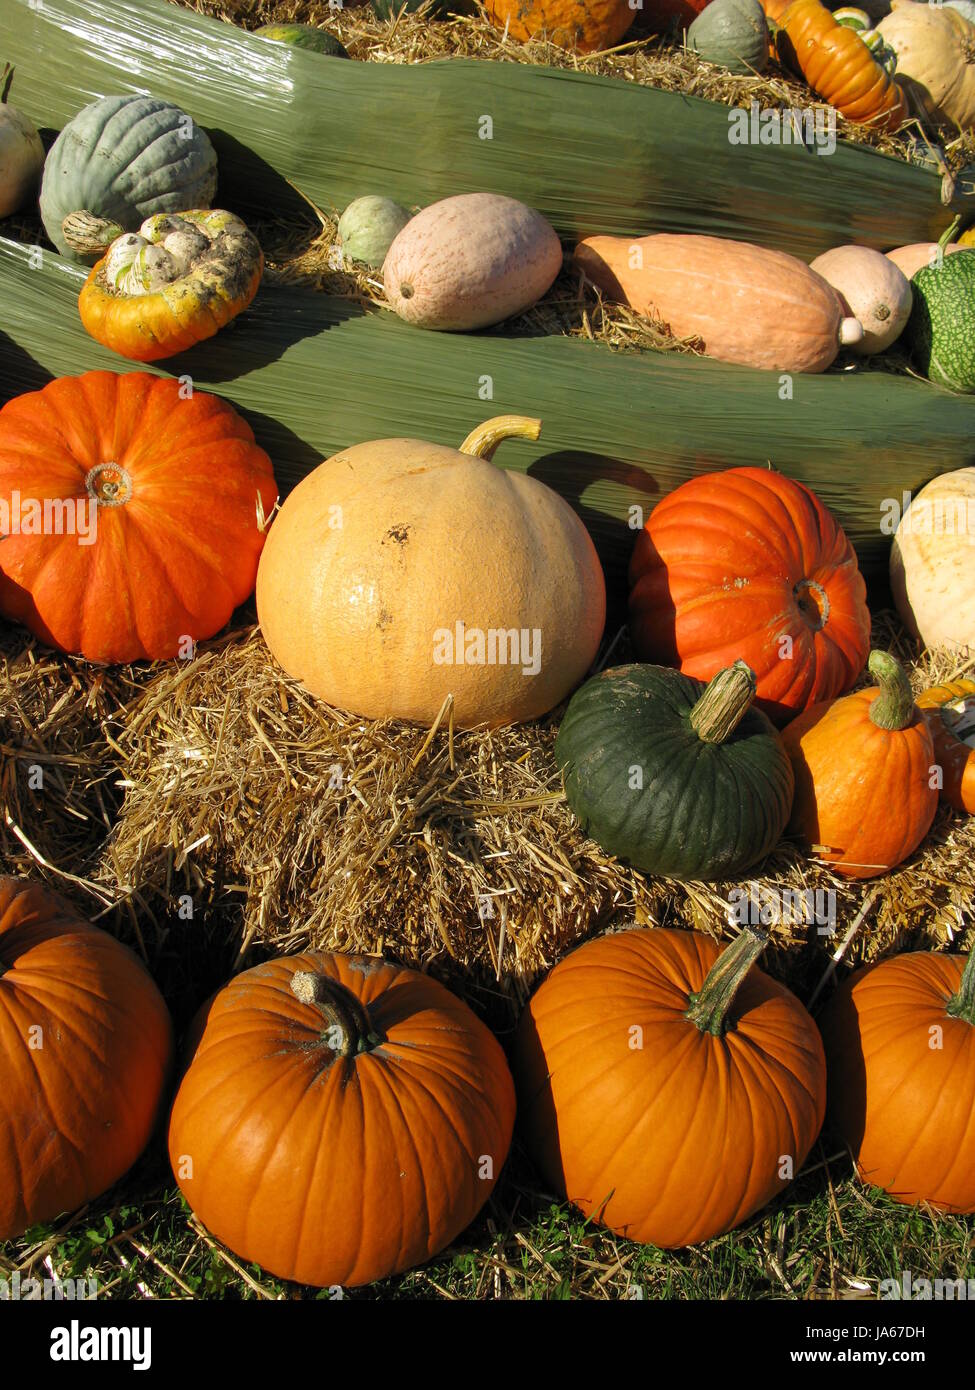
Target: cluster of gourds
column 340, row 1119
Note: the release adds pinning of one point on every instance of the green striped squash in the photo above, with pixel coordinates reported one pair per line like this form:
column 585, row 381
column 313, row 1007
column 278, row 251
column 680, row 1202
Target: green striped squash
column 941, row 329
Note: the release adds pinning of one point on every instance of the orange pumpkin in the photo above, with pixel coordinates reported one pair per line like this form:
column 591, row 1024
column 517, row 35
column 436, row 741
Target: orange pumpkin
column 864, row 796
column 950, row 712
column 342, row 1119
column 900, row 1051
column 177, row 281
column 153, row 525
column 85, row 1051
column 663, row 1083
column 838, row 66
column 587, row 25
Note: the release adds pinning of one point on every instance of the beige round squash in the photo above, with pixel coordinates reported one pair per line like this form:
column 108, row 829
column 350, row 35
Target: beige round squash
column 21, row 152
column 920, row 254
column 873, row 289
column 399, row 572
column 470, row 261
column 932, row 562
column 935, row 47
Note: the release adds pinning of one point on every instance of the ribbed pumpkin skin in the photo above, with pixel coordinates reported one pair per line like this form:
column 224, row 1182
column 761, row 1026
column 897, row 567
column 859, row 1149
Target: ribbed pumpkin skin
column 682, row 1138
column 940, row 331
column 731, row 563
column 77, row 1110
column 353, row 611
column 863, row 793
column 174, row 560
column 588, row 25
column 124, row 158
column 903, row 1105
column 956, row 757
column 704, row 810
column 732, row 33
column 839, row 66
column 749, row 306
column 931, row 562
column 328, row 1170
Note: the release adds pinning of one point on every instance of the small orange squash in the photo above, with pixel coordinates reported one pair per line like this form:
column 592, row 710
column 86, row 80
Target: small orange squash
column 839, row 66
column 864, row 797
column 748, row 305
column 177, row 281
column 587, row 25
column 950, row 712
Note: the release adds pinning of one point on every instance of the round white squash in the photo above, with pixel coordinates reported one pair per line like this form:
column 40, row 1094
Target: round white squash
column 910, row 259
column 470, row 261
column 21, row 152
column 400, row 572
column 935, row 48
column 932, row 562
column 873, row 289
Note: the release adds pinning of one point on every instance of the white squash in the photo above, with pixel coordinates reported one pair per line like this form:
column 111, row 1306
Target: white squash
column 935, row 49
column 932, row 562
column 21, row 152
column 873, row 290
column 470, row 261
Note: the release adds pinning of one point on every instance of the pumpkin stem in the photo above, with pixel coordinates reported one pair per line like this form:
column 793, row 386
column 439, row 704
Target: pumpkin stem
column 6, row 77
column 894, row 706
column 720, row 708
column 89, row 235
column 708, row 1008
column 350, row 1029
column 482, row 442
column 949, row 233
column 962, row 1004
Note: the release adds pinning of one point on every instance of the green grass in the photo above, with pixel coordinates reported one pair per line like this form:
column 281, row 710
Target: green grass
column 827, row 1238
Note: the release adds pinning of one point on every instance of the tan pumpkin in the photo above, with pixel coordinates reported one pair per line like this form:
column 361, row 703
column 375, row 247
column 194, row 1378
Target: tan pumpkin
column 919, row 255
column 873, row 290
column 935, row 47
column 399, row 572
column 747, row 305
column 931, row 562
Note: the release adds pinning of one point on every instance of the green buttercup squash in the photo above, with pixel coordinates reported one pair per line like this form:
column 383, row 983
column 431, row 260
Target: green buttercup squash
column 303, row 36
column 941, row 329
column 679, row 778
column 368, row 228
column 124, row 159
column 733, row 34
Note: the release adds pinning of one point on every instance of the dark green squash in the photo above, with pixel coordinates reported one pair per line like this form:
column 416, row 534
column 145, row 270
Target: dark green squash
column 941, row 329
column 733, row 34
column 679, row 778
column 307, row 36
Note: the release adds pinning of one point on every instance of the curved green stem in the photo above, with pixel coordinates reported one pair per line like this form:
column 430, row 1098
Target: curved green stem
column 482, row 441
column 949, row 233
column 342, row 1011
column 722, row 705
column 894, row 706
column 962, row 1004
column 6, row 77
column 708, row 1008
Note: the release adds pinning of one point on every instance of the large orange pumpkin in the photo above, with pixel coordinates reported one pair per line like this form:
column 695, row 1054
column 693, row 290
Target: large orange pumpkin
column 748, row 564
column 866, row 792
column 343, row 1118
column 85, row 1051
column 838, row 66
column 900, row 1049
column 147, row 501
column 950, row 712
column 587, row 25
column 665, row 1086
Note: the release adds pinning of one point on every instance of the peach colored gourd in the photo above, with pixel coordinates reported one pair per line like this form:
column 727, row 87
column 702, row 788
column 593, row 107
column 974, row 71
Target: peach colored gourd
column 470, row 261
column 911, row 259
column 747, row 305
column 873, row 289
column 935, row 47
column 399, row 572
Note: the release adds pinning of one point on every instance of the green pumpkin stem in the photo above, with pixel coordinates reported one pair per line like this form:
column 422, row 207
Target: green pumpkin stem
column 962, row 1004
column 721, row 707
column 6, row 77
column 708, row 1008
column 894, row 706
column 949, row 233
column 341, row 1010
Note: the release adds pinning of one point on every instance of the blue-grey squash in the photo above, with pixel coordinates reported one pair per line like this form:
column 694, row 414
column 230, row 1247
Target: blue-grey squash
column 368, row 228
column 733, row 34
column 123, row 159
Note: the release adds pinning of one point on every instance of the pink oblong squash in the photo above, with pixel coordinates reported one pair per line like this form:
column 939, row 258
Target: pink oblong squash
column 748, row 305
